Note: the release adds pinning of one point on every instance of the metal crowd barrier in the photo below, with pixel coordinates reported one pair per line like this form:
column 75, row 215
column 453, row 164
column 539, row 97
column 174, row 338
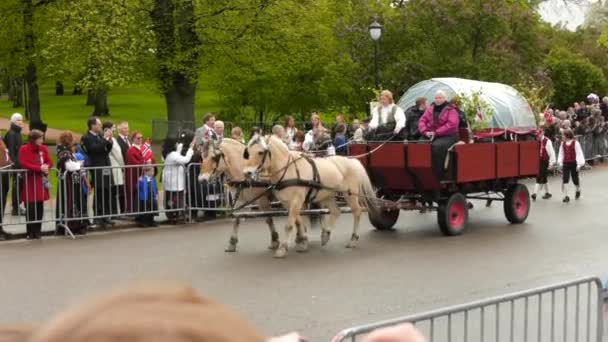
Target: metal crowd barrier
column 595, row 146
column 569, row 311
column 14, row 186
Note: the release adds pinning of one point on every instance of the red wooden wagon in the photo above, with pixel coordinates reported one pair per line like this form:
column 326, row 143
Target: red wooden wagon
column 403, row 176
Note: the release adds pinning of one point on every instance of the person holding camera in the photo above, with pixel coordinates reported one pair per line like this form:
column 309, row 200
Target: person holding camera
column 97, row 144
column 34, row 157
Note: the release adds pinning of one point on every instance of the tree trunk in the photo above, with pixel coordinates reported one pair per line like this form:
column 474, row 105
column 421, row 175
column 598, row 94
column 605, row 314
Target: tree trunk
column 32, row 103
column 59, row 88
column 90, row 97
column 179, row 90
column 77, row 91
column 101, row 103
column 15, row 92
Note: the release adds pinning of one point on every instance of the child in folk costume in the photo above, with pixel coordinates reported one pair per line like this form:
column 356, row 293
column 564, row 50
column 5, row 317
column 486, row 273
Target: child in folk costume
column 148, row 198
column 571, row 160
column 547, row 160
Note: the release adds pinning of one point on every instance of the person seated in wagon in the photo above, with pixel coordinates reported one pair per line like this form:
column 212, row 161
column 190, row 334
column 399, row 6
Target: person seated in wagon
column 388, row 118
column 439, row 123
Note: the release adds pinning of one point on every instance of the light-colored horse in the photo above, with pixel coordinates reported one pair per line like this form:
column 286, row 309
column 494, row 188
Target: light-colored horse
column 226, row 158
column 336, row 174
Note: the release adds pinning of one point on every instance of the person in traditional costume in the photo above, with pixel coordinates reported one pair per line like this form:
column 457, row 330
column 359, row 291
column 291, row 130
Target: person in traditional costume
column 547, row 161
column 571, row 160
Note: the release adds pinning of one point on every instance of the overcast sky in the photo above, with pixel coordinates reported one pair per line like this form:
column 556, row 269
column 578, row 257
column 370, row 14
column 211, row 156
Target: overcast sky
column 570, row 12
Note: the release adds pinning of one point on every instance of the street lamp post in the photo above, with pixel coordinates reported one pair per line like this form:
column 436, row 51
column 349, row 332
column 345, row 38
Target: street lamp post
column 375, row 31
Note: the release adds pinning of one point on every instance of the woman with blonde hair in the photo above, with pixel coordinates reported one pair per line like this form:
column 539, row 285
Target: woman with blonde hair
column 290, row 130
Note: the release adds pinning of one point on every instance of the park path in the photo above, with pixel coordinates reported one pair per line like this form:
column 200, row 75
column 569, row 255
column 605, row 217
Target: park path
column 51, row 133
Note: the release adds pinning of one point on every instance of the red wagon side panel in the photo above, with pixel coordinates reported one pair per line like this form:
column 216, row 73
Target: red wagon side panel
column 387, row 165
column 507, row 159
column 475, row 162
column 529, row 162
column 359, row 150
column 420, row 165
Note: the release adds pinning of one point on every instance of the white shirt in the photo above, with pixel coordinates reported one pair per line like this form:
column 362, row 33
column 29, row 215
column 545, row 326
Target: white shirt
column 580, row 157
column 550, row 151
column 117, row 162
column 309, row 141
column 386, row 112
column 174, row 173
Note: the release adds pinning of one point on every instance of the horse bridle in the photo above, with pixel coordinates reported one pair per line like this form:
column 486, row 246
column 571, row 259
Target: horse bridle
column 217, row 158
column 266, row 154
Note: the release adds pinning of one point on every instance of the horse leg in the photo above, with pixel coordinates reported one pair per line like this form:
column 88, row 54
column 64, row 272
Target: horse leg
column 274, row 236
column 301, row 237
column 334, row 213
column 290, row 228
column 355, row 207
column 234, row 238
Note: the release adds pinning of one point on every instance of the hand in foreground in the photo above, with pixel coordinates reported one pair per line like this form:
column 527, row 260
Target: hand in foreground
column 44, row 168
column 399, row 333
column 292, row 337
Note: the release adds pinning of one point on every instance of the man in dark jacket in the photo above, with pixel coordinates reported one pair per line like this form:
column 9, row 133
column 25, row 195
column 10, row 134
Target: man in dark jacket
column 412, row 116
column 124, row 141
column 97, row 145
column 13, row 142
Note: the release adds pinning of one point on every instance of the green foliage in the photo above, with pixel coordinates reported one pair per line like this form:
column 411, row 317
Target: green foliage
column 478, row 111
column 96, row 43
column 574, row 77
column 538, row 91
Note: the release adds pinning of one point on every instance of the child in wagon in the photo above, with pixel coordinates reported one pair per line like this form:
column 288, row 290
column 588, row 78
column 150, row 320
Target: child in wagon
column 571, row 159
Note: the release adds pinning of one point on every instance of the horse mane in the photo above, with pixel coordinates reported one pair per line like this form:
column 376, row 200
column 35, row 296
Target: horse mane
column 232, row 141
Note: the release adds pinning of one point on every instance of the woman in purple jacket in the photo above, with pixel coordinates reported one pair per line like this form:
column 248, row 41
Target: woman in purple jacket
column 439, row 123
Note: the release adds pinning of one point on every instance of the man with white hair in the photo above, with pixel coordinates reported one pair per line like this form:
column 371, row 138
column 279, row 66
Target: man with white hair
column 388, row 117
column 278, row 131
column 218, row 131
column 13, row 142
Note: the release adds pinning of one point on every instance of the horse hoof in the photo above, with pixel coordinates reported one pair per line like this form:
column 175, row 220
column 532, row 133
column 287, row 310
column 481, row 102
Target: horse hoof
column 274, row 245
column 325, row 238
column 302, row 247
column 351, row 244
column 230, row 249
column 280, row 253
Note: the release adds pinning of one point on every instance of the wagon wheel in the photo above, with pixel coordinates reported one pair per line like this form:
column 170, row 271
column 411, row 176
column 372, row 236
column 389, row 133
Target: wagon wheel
column 517, row 203
column 383, row 219
column 453, row 214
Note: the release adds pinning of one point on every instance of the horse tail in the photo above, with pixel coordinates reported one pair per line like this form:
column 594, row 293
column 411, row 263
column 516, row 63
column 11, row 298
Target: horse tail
column 367, row 194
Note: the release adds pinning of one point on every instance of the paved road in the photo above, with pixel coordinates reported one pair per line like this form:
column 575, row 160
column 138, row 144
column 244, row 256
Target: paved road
column 390, row 274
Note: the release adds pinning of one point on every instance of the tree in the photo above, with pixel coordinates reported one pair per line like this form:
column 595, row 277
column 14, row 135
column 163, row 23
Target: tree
column 574, row 77
column 99, row 43
column 23, row 22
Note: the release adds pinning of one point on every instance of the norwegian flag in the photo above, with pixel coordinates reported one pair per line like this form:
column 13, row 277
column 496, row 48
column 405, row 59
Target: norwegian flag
column 146, row 151
column 548, row 118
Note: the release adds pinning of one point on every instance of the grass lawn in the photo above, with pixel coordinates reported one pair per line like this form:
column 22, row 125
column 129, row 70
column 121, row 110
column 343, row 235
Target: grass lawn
column 139, row 105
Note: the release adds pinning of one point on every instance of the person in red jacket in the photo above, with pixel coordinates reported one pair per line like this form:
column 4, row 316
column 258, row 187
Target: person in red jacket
column 34, row 157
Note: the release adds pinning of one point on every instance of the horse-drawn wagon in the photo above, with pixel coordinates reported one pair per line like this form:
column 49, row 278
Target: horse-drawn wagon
column 490, row 169
column 402, row 174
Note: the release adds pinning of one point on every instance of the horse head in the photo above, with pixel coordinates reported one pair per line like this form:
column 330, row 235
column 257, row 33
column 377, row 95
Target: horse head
column 213, row 162
column 257, row 156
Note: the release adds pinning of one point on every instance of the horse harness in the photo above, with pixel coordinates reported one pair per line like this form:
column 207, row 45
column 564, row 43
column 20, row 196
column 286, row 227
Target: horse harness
column 314, row 185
